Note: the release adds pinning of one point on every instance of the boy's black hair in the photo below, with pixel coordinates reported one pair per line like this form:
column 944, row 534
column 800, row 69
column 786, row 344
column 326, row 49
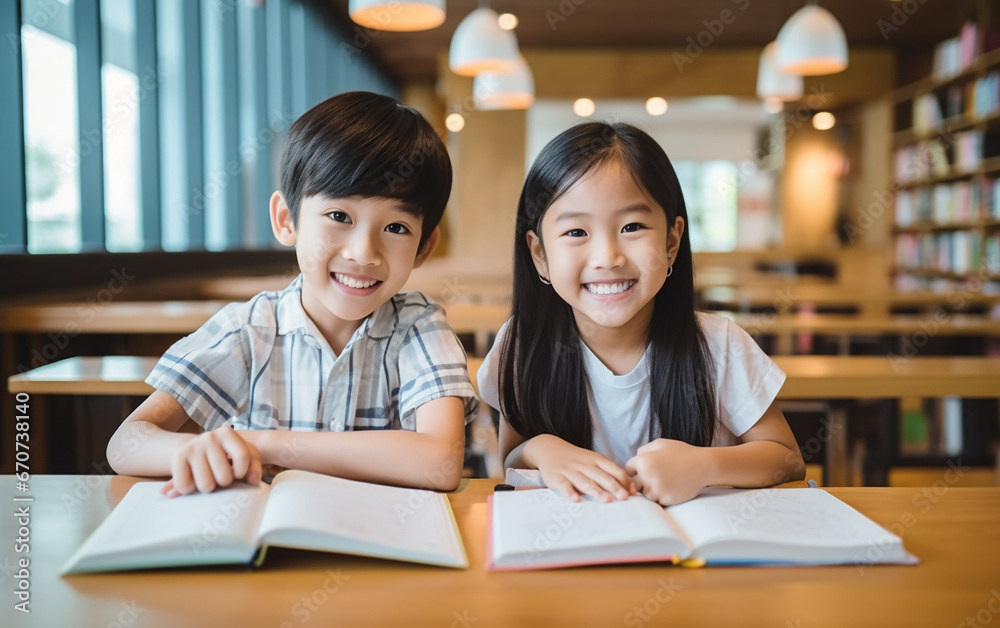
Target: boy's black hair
column 543, row 384
column 368, row 145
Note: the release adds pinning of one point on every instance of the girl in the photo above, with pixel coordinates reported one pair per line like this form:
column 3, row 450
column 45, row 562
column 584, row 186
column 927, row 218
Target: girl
column 607, row 380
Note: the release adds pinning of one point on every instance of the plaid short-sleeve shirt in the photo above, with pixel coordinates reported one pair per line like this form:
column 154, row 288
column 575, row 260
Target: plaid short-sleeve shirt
column 264, row 365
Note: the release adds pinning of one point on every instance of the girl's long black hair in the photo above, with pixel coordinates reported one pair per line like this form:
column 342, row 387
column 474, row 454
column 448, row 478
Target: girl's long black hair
column 543, row 386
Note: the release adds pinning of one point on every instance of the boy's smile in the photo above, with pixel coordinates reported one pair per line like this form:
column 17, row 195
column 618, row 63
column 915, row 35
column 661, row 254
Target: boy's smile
column 355, row 253
column 354, row 284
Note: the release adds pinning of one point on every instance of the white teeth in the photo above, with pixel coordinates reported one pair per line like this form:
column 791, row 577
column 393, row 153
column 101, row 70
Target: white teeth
column 609, row 288
column 353, row 283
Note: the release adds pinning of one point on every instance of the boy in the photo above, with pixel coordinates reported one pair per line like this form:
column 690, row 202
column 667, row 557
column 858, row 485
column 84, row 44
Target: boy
column 337, row 373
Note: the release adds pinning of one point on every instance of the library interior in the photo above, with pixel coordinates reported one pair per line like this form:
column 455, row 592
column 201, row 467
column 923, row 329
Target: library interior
column 840, row 168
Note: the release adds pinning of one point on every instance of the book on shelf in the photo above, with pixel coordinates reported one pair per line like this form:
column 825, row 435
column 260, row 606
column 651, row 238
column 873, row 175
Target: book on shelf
column 954, row 55
column 539, row 529
column 299, row 510
column 926, row 112
column 986, row 95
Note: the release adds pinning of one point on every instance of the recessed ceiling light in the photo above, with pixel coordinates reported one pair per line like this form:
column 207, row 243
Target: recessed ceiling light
column 455, row 122
column 584, row 107
column 656, row 106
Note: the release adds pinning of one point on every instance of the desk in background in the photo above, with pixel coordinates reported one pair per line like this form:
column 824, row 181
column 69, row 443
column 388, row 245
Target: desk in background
column 840, row 379
column 953, row 531
column 123, row 378
column 180, row 318
column 793, row 297
column 919, row 329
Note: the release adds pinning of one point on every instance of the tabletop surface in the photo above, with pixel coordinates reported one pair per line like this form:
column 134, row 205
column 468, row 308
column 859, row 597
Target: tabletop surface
column 878, row 377
column 87, row 375
column 781, row 296
column 808, row 377
column 171, row 317
column 836, row 324
column 954, row 532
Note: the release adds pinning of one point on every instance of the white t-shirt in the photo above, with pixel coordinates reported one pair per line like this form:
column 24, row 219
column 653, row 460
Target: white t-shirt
column 746, row 381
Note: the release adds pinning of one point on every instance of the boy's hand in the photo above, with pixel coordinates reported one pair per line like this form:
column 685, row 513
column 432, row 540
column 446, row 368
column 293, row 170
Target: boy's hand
column 213, row 459
column 669, row 471
column 576, row 472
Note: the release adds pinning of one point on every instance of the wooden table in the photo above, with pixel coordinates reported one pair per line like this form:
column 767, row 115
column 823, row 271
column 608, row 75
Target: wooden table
column 121, row 317
column 707, row 277
column 786, row 326
column 791, row 297
column 879, row 377
column 953, row 531
column 124, row 376
column 838, row 378
column 106, row 375
column 184, row 317
column 451, row 287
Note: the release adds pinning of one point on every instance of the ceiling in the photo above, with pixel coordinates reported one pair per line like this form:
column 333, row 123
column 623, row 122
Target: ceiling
column 647, row 23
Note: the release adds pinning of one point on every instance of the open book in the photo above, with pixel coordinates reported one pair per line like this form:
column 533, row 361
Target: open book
column 539, row 529
column 298, row 509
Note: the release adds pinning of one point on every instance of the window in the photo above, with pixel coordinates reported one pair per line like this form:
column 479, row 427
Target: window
column 710, row 195
column 51, row 127
column 121, row 95
column 157, row 124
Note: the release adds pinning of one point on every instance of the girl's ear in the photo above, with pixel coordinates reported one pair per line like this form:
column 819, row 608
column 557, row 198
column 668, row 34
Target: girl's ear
column 538, row 254
column 674, row 239
column 281, row 220
column 428, row 247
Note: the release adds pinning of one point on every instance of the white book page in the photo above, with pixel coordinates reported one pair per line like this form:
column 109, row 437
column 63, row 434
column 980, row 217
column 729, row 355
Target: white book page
column 358, row 517
column 791, row 517
column 529, row 525
column 194, row 526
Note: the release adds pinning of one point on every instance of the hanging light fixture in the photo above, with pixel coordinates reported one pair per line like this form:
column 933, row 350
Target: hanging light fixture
column 480, row 45
column 513, row 90
column 398, row 15
column 773, row 83
column 811, row 42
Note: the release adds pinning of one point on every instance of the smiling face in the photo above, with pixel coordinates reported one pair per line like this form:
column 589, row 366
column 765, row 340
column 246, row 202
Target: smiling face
column 605, row 245
column 355, row 253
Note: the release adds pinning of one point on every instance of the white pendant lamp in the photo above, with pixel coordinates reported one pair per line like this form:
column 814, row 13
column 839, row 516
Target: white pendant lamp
column 398, row 15
column 773, row 83
column 811, row 42
column 514, row 90
column 480, row 45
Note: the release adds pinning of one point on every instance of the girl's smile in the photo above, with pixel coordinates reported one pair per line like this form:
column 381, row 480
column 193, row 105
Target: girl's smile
column 610, row 289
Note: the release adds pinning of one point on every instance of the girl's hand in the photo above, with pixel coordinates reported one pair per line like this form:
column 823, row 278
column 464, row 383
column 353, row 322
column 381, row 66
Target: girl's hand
column 670, row 471
column 576, row 472
column 213, row 459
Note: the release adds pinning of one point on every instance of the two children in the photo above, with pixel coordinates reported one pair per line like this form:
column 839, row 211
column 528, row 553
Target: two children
column 607, row 379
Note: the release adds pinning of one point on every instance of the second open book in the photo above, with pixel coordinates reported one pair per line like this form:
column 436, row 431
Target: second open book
column 539, row 529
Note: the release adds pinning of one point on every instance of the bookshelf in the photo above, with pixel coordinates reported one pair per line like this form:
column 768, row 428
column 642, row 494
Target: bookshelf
column 946, row 158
